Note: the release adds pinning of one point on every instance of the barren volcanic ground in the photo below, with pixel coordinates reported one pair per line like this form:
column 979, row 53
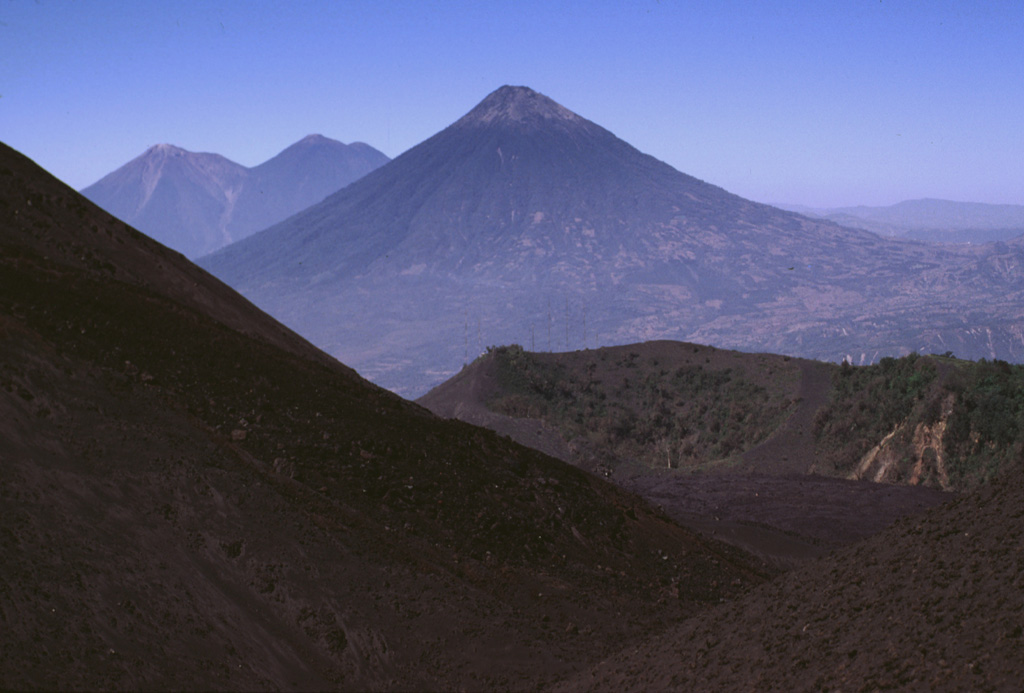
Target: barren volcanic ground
column 763, row 501
column 889, row 587
column 191, row 496
column 934, row 603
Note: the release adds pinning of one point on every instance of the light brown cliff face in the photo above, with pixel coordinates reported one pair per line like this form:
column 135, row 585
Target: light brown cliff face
column 911, row 454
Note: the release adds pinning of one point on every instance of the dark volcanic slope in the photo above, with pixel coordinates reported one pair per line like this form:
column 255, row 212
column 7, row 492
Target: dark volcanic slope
column 525, row 223
column 193, row 497
column 723, row 441
column 662, row 407
column 197, row 202
column 934, row 603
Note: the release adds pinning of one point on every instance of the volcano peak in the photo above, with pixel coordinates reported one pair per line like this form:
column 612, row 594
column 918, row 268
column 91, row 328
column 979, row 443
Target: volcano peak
column 517, row 105
column 164, row 150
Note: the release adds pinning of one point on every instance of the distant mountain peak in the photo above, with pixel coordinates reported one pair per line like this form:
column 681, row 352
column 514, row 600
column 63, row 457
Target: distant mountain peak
column 197, row 202
column 165, row 150
column 517, row 105
column 315, row 139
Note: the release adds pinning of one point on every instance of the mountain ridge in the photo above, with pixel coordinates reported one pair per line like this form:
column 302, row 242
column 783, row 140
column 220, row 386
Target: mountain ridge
column 196, row 202
column 930, row 219
column 445, row 156
column 517, row 104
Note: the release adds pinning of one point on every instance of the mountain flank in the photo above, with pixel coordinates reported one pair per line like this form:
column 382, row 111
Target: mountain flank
column 523, row 222
column 769, row 453
column 670, row 407
column 196, row 202
column 192, row 496
column 936, row 602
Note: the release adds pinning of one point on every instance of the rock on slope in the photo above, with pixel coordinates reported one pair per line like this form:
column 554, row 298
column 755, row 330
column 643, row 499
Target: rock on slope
column 191, row 496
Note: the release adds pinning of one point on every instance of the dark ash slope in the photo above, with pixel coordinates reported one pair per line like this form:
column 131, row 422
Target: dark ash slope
column 935, row 603
column 193, row 497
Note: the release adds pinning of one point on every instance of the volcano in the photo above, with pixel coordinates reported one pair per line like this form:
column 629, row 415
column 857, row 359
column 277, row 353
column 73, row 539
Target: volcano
column 193, row 497
column 523, row 222
column 198, row 202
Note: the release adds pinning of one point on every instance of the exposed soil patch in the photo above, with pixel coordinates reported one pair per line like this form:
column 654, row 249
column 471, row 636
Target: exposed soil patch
column 791, row 448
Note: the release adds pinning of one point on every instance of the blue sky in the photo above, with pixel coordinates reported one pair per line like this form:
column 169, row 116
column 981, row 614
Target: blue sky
column 819, row 103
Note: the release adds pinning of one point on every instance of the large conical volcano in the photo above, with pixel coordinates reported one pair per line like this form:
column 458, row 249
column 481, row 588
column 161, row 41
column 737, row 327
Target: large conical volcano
column 524, row 222
column 515, row 185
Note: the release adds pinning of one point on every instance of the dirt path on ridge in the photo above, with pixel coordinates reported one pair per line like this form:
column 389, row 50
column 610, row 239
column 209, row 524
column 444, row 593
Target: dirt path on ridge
column 790, row 450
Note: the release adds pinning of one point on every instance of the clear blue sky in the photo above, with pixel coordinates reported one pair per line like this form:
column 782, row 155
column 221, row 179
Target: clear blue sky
column 824, row 103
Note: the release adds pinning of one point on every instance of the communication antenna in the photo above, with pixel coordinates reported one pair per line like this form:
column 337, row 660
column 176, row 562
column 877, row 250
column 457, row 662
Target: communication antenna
column 549, row 324
column 567, row 323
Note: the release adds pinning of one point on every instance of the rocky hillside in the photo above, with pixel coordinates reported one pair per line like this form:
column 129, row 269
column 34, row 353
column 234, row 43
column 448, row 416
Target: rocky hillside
column 935, row 603
column 936, row 421
column 192, row 496
column 923, row 420
column 665, row 405
column 722, row 441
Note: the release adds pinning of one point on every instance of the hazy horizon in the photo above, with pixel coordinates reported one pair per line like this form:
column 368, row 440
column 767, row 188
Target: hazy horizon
column 824, row 106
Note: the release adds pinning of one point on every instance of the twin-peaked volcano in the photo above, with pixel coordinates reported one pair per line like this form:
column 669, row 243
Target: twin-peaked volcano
column 199, row 202
column 524, row 222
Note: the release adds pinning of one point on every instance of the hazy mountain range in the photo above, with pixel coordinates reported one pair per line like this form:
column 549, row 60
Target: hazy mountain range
column 194, row 497
column 525, row 223
column 199, row 202
column 944, row 221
